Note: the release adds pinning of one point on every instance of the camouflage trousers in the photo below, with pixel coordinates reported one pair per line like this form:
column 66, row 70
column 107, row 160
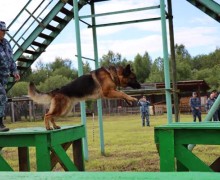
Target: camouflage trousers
column 3, row 100
column 145, row 116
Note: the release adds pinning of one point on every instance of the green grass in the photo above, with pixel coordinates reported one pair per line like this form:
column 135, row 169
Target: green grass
column 128, row 145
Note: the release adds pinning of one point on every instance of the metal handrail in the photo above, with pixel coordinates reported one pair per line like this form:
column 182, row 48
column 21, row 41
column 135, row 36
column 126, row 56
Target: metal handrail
column 19, row 13
column 12, row 38
column 31, row 15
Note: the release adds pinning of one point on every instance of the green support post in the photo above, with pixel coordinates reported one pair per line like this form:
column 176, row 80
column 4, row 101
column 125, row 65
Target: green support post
column 167, row 162
column 42, row 152
column 80, row 72
column 166, row 62
column 99, row 101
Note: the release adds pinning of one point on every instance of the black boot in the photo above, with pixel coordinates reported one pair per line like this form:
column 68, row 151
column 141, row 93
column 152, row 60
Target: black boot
column 147, row 123
column 2, row 126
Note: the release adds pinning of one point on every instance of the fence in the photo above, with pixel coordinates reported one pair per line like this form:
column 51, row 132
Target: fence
column 24, row 108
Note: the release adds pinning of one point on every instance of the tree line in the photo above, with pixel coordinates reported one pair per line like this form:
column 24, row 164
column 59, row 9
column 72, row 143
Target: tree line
column 48, row 76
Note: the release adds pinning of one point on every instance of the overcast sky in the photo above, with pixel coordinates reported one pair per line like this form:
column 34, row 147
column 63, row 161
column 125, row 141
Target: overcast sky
column 196, row 30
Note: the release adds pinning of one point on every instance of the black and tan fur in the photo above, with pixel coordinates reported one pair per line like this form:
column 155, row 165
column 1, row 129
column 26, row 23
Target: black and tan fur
column 100, row 83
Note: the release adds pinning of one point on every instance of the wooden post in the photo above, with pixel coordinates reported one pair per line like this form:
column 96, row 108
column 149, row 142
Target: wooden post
column 12, row 112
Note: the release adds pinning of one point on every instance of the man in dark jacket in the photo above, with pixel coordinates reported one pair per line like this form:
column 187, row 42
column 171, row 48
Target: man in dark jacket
column 195, row 105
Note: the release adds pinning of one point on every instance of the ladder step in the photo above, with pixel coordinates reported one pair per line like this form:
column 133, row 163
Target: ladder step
column 35, row 43
column 22, row 68
column 45, row 36
column 31, row 52
column 59, row 20
column 66, row 11
column 23, row 59
column 70, row 2
column 52, row 28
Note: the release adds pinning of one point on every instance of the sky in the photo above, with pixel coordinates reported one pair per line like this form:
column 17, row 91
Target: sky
column 197, row 31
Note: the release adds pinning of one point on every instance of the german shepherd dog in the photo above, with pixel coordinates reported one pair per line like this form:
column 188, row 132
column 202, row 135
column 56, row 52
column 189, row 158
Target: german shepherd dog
column 100, row 83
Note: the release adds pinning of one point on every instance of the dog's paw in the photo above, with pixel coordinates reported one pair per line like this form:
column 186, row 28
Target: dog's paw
column 129, row 102
column 134, row 99
column 49, row 128
column 56, row 127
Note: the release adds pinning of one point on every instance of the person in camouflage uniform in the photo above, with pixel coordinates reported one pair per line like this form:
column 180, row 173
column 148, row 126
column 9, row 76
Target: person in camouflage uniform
column 7, row 67
column 195, row 105
column 144, row 109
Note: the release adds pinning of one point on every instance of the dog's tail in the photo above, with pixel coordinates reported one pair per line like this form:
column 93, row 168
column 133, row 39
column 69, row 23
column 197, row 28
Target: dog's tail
column 37, row 96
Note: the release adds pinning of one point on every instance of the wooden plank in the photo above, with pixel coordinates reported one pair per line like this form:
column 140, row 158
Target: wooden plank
column 189, row 160
column 64, row 158
column 180, row 166
column 215, row 166
column 78, row 155
column 55, row 159
column 4, row 166
column 191, row 125
column 111, row 175
column 23, row 159
column 197, row 136
column 42, row 153
column 167, row 159
column 67, row 135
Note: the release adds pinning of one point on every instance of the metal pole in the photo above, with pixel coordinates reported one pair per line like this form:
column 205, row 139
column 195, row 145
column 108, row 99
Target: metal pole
column 166, row 62
column 173, row 61
column 99, row 101
column 80, row 72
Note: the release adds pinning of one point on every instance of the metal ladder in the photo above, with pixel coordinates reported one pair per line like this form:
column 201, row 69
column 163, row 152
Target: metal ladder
column 209, row 7
column 37, row 25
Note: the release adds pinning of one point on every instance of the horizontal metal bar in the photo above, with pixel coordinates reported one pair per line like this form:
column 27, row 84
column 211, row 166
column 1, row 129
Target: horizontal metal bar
column 120, row 12
column 86, row 58
column 126, row 22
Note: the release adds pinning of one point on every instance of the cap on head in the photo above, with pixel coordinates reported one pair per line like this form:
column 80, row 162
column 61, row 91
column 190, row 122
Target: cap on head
column 194, row 93
column 3, row 26
column 214, row 91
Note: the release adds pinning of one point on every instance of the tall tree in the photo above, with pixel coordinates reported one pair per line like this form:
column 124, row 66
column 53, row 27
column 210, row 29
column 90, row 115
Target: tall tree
column 86, row 68
column 183, row 63
column 157, row 73
column 19, row 89
column 53, row 82
column 142, row 66
column 65, row 72
column 39, row 76
column 58, row 63
column 112, row 58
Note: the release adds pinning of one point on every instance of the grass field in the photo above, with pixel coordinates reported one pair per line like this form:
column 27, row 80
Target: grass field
column 128, row 145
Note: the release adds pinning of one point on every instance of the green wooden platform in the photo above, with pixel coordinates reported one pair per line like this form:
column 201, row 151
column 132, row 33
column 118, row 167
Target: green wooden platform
column 50, row 147
column 173, row 139
column 110, row 175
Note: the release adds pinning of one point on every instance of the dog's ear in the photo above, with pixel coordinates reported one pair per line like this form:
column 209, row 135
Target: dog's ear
column 127, row 70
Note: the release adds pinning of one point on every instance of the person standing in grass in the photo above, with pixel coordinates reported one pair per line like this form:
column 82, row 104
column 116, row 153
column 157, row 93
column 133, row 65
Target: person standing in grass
column 195, row 105
column 144, row 110
column 7, row 67
column 209, row 104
